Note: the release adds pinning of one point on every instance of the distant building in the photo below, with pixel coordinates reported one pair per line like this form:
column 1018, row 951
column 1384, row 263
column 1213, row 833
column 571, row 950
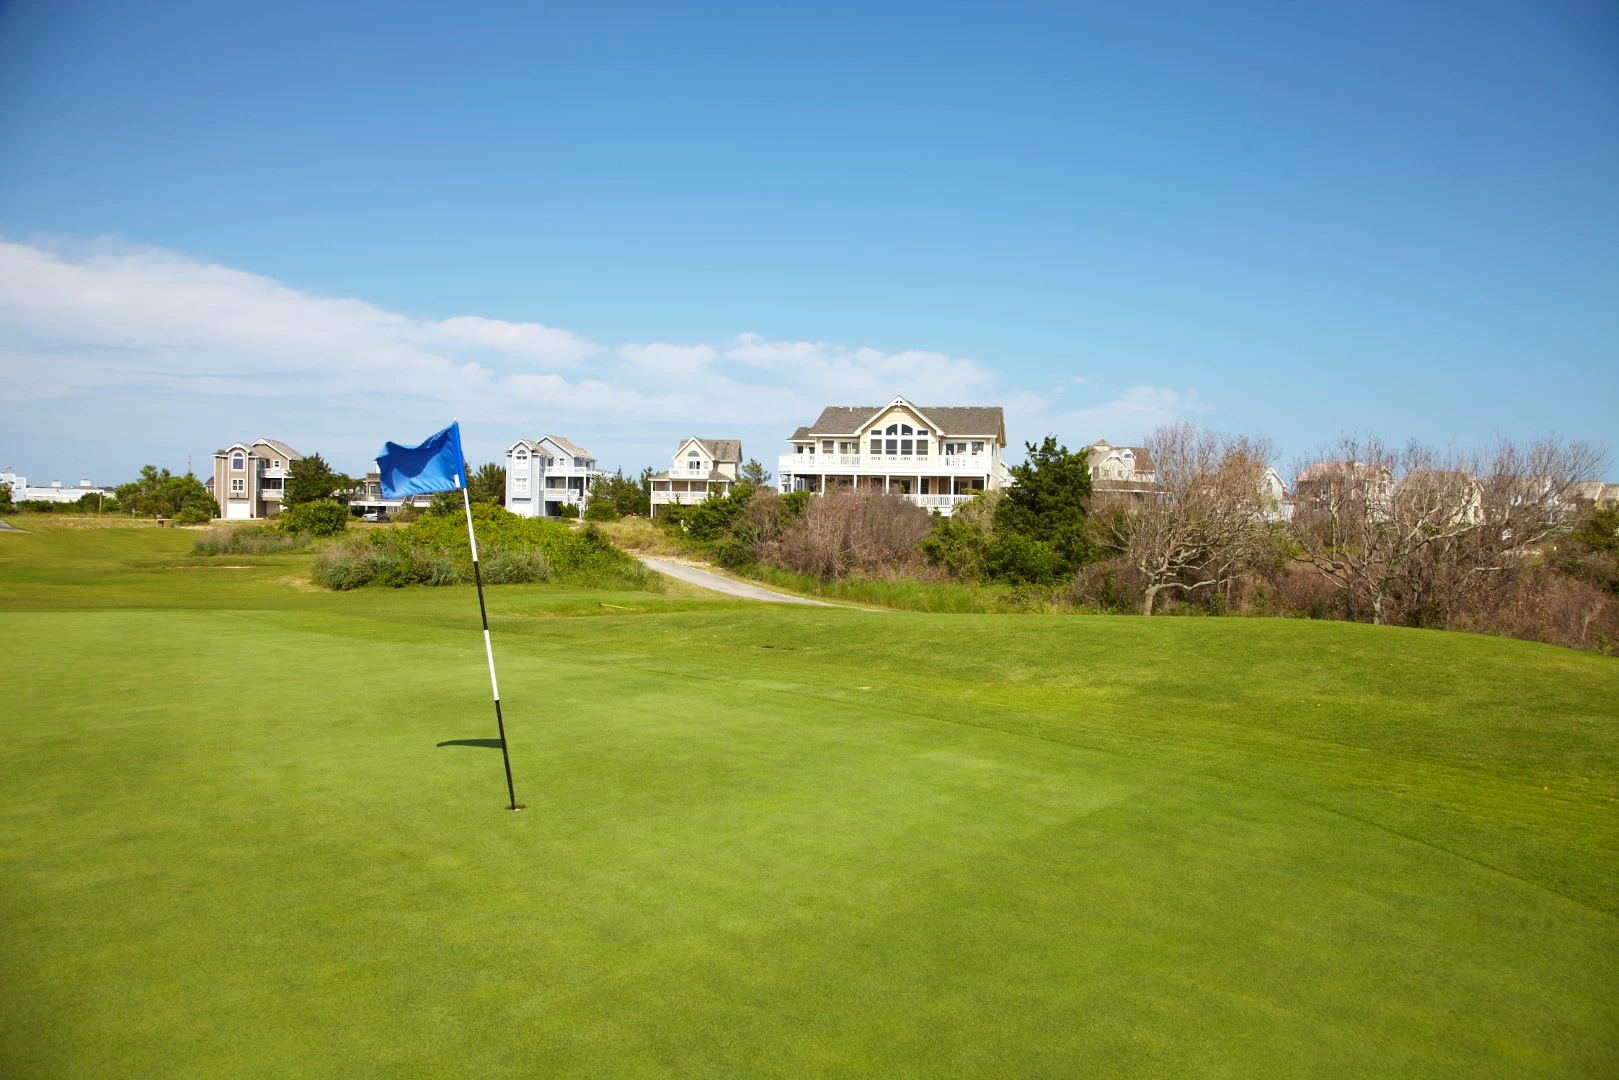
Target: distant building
column 250, row 478
column 55, row 491
column 543, row 475
column 698, row 469
column 1122, row 470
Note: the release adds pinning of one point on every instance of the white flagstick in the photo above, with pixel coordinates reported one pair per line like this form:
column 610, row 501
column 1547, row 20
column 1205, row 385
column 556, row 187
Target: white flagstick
column 488, row 649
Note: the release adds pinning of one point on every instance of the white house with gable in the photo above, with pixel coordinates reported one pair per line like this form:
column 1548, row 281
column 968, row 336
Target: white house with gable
column 543, row 475
column 936, row 456
column 699, row 468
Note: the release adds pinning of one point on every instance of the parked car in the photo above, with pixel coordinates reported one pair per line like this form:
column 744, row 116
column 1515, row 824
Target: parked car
column 375, row 515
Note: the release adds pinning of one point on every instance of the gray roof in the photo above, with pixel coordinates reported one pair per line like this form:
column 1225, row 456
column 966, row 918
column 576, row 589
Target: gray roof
column 723, row 449
column 573, row 448
column 982, row 420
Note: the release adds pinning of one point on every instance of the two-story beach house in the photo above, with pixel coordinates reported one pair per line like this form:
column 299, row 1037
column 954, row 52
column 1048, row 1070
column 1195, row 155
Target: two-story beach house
column 249, row 478
column 698, row 469
column 543, row 475
column 936, row 456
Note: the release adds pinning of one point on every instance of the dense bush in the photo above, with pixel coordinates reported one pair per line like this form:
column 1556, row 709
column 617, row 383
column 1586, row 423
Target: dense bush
column 512, row 549
column 323, row 517
column 601, row 510
column 194, row 514
column 248, row 540
column 568, row 511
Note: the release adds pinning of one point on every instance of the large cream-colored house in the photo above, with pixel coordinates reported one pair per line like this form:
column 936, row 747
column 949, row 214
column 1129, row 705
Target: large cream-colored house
column 698, row 469
column 249, row 478
column 543, row 475
column 936, row 456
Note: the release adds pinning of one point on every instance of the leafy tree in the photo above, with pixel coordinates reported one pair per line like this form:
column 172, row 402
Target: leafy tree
column 626, row 496
column 159, row 493
column 754, row 473
column 1047, row 505
column 310, row 479
column 713, row 517
column 959, row 541
column 5, row 496
column 323, row 517
column 488, row 484
column 445, row 503
column 192, row 514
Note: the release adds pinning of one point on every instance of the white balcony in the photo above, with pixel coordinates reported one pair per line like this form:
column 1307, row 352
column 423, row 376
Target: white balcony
column 679, row 498
column 879, row 464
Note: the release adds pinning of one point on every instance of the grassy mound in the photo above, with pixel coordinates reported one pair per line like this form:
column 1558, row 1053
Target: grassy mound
column 511, row 550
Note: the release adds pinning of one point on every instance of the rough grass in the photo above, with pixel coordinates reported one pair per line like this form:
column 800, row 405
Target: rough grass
column 248, row 540
column 255, row 834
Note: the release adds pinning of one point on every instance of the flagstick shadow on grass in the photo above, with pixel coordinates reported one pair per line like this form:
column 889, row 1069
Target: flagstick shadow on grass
column 493, row 744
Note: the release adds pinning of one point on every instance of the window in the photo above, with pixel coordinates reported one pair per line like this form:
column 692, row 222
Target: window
column 922, row 449
column 905, row 447
column 522, row 455
column 826, row 446
column 893, row 429
column 848, row 448
column 694, row 466
column 893, row 445
column 691, row 453
column 876, row 446
column 237, row 464
column 578, row 462
column 905, row 429
column 520, row 482
column 800, row 448
column 921, row 431
column 238, row 486
column 978, row 448
column 276, row 463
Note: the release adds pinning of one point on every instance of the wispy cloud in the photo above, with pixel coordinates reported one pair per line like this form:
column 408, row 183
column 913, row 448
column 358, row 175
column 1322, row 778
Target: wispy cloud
column 108, row 320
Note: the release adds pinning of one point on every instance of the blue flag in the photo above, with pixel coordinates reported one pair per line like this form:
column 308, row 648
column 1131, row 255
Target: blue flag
column 435, row 465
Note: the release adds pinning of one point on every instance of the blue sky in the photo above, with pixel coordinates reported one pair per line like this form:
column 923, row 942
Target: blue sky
column 336, row 224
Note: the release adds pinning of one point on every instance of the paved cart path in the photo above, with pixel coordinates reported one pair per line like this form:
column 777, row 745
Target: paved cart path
column 707, row 579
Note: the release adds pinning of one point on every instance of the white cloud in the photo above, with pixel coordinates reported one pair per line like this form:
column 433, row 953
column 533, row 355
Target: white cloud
column 158, row 332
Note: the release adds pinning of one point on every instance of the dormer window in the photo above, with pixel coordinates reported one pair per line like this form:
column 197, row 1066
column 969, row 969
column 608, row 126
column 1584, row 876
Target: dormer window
column 237, row 463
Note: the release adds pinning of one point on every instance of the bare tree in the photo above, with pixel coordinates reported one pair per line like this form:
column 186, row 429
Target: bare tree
column 1203, row 520
column 1417, row 527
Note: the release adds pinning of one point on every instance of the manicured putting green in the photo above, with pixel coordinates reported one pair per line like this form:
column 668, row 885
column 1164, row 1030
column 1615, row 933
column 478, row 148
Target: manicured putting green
column 775, row 841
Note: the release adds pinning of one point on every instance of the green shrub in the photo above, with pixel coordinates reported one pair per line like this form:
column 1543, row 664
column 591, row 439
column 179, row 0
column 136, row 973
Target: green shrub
column 323, row 517
column 601, row 510
column 513, row 549
column 193, row 514
column 1014, row 557
column 568, row 511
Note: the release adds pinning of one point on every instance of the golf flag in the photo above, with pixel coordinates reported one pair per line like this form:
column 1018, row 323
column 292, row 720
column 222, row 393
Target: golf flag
column 433, row 465
column 436, row 464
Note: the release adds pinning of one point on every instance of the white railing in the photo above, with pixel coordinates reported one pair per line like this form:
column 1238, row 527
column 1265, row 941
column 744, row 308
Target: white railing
column 566, row 495
column 683, row 498
column 931, row 501
column 879, row 463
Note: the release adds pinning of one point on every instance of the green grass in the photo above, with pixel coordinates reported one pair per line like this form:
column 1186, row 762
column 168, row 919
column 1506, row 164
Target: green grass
column 774, row 841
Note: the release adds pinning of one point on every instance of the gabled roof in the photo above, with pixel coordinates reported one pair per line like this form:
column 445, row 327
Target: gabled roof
column 718, row 449
column 279, row 447
column 984, row 421
column 573, row 449
column 1140, row 459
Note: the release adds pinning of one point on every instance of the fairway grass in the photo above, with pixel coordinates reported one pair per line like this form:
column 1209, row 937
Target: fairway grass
column 245, row 829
